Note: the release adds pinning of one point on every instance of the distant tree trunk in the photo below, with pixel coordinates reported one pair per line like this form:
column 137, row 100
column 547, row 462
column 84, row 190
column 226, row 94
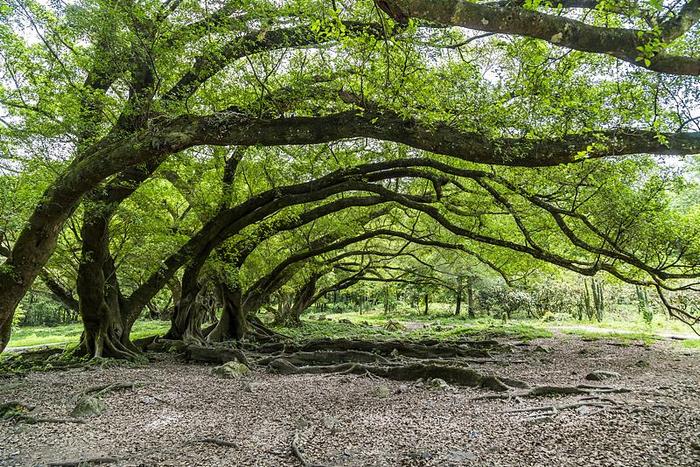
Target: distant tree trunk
column 643, row 304
column 426, row 299
column 386, row 300
column 301, row 301
column 587, row 306
column 470, row 297
column 598, row 299
column 188, row 316
column 233, row 324
column 458, row 306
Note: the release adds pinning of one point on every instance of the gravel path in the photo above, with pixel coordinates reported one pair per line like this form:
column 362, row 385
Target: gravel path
column 344, row 420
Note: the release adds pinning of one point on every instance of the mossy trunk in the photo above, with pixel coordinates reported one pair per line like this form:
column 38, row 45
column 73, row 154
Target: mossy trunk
column 301, row 301
column 106, row 327
column 188, row 316
column 471, row 308
column 233, row 324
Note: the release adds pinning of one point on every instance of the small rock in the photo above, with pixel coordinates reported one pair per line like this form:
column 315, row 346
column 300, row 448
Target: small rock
column 401, row 389
column 438, row 383
column 461, row 456
column 642, row 364
column 538, row 420
column 302, row 423
column 421, row 455
column 329, row 422
column 232, row 369
column 600, row 375
column 88, row 407
column 250, row 387
column 382, row 390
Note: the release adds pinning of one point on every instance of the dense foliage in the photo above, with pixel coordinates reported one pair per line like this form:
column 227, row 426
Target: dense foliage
column 205, row 161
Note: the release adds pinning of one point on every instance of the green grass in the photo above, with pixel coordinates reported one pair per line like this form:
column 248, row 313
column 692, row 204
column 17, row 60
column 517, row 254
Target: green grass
column 439, row 324
column 626, row 337
column 412, row 326
column 442, row 323
column 70, row 333
column 692, row 344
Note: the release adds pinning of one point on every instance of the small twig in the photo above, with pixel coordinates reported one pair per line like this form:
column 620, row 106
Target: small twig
column 32, row 420
column 78, row 463
column 299, row 453
column 106, row 388
column 217, row 441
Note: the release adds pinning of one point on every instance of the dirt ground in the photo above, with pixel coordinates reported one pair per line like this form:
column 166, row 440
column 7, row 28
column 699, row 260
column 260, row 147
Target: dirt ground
column 347, row 420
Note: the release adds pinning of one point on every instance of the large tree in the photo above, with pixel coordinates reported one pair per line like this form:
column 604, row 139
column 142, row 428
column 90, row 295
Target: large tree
column 100, row 90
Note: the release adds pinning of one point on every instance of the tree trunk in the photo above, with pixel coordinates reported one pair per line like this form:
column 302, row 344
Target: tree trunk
column 426, row 299
column 598, row 299
column 458, row 306
column 470, row 298
column 284, row 306
column 302, row 300
column 188, row 316
column 106, row 332
column 233, row 324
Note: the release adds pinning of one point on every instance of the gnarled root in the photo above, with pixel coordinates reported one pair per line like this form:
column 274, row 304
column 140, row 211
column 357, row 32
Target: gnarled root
column 458, row 376
column 550, row 411
column 393, row 348
column 324, row 357
column 299, row 453
column 546, row 391
column 19, row 412
column 215, row 354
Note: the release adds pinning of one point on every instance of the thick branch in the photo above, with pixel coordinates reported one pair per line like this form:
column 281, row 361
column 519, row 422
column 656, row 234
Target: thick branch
column 558, row 30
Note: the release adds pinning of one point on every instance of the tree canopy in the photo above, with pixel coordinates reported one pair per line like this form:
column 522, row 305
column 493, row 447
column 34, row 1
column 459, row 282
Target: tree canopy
column 260, row 151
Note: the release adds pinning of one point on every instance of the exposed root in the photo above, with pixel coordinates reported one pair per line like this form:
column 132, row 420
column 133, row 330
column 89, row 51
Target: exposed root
column 455, row 375
column 103, row 389
column 299, row 453
column 263, row 332
column 33, row 420
column 19, row 412
column 83, row 462
column 217, row 441
column 546, row 391
column 326, row 357
column 215, row 354
column 551, row 411
column 387, row 348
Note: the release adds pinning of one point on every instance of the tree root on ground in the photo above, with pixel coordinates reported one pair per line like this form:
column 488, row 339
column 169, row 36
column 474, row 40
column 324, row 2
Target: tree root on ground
column 83, row 462
column 215, row 354
column 19, row 412
column 455, row 375
column 406, row 349
column 329, row 357
column 507, row 388
column 263, row 332
column 217, row 441
column 545, row 391
column 551, row 411
column 103, row 389
column 299, row 452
